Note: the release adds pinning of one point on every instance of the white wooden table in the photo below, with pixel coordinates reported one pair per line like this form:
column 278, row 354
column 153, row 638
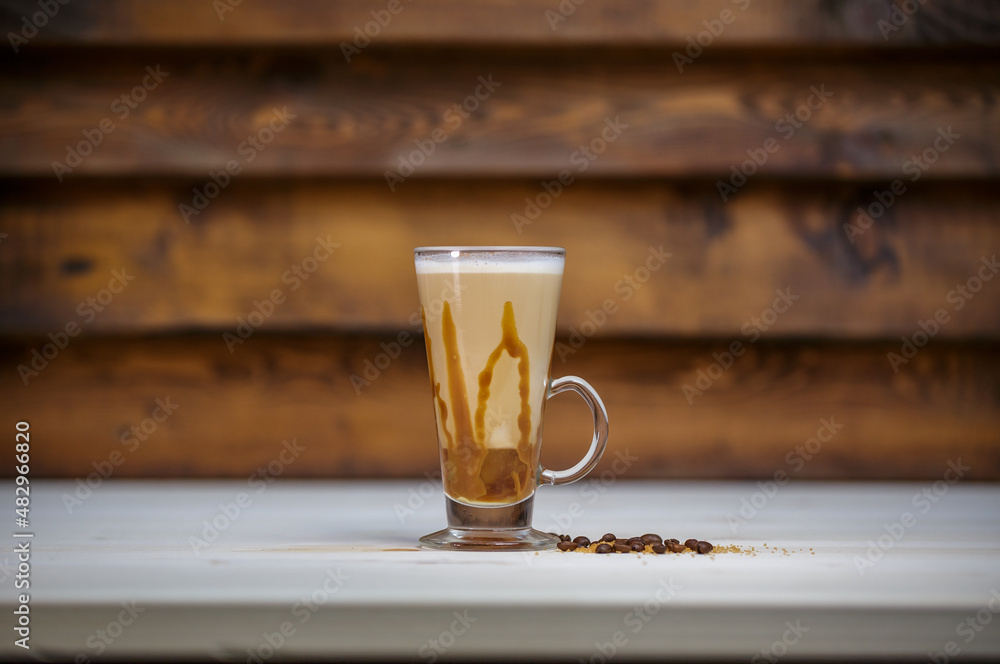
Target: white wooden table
column 326, row 570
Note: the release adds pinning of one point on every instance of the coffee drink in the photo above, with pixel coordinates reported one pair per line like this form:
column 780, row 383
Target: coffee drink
column 489, row 324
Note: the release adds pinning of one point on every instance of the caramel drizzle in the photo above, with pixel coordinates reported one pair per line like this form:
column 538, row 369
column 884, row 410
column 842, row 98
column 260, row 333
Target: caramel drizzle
column 510, row 342
column 436, row 386
column 468, row 442
column 465, row 444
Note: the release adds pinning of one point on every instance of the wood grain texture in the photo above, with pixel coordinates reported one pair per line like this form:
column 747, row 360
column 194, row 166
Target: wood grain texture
column 536, row 117
column 65, row 241
column 802, row 23
column 234, row 410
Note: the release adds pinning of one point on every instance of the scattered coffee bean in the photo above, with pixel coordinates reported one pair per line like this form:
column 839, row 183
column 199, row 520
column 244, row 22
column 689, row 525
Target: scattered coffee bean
column 611, row 544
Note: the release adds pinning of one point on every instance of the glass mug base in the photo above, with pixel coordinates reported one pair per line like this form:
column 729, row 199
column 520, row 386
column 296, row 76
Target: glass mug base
column 502, row 528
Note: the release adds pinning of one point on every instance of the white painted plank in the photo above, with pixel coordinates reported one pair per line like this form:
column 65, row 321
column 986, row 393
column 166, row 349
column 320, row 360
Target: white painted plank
column 130, row 542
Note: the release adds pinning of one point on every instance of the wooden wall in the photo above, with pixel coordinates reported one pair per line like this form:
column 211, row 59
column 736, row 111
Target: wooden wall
column 163, row 97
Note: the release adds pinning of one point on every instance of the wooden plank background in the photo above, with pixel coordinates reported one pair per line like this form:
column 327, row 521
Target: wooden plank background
column 800, row 23
column 218, row 81
column 234, row 410
column 360, row 119
column 727, row 258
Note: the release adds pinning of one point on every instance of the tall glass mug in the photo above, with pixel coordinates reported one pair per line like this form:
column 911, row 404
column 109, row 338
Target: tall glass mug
column 489, row 324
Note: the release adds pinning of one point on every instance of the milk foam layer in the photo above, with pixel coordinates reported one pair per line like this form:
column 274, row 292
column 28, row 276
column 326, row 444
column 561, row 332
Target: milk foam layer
column 521, row 260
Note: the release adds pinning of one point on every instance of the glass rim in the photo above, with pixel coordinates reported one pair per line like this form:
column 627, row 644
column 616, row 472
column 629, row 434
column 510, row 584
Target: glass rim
column 499, row 249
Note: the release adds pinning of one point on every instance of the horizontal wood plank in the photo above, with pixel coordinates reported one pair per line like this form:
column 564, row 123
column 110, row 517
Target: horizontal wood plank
column 875, row 279
column 809, row 23
column 617, row 112
column 232, row 412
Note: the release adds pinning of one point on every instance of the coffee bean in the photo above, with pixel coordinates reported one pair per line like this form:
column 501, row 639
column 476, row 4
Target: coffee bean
column 611, row 544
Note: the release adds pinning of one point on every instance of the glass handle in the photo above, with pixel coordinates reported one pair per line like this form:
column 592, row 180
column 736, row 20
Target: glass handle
column 597, row 445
